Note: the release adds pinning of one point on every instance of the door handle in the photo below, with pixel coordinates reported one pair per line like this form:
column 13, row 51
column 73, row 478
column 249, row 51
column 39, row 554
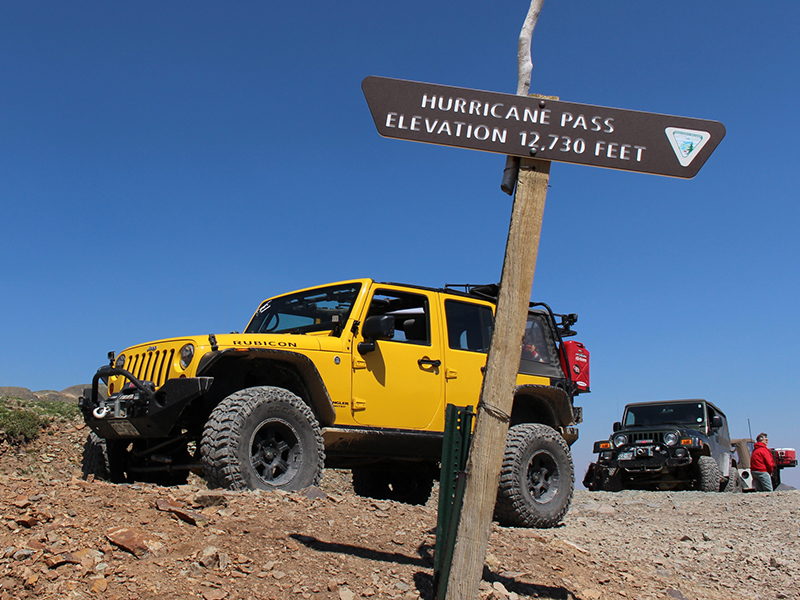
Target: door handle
column 427, row 362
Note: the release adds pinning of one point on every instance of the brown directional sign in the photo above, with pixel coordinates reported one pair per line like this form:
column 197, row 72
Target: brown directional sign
column 613, row 138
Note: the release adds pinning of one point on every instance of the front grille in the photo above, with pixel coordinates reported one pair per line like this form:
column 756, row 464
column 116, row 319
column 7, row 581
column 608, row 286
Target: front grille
column 151, row 366
column 657, row 437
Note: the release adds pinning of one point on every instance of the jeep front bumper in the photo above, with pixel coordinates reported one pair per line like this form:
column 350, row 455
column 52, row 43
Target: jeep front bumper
column 138, row 410
column 650, row 458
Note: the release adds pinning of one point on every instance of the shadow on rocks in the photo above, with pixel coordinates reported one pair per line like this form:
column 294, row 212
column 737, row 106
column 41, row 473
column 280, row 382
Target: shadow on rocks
column 423, row 560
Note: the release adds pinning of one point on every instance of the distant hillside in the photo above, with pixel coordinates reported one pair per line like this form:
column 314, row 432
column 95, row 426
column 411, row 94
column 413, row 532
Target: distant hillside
column 69, row 394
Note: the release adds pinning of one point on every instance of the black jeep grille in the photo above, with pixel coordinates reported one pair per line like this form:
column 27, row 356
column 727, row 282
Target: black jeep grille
column 657, row 437
column 151, row 366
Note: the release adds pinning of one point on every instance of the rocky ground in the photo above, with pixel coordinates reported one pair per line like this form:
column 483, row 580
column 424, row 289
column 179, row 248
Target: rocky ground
column 61, row 537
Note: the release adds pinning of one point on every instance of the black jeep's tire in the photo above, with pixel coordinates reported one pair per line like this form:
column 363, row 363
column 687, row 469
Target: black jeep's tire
column 102, row 459
column 734, row 482
column 537, row 478
column 262, row 438
column 590, row 480
column 398, row 485
column 708, row 474
column 601, row 479
column 613, row 483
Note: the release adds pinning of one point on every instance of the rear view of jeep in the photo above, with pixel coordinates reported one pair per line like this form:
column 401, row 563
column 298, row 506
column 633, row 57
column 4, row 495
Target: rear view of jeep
column 666, row 445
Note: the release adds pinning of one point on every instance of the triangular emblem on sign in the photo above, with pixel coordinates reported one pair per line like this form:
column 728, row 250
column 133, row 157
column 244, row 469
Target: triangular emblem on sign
column 686, row 143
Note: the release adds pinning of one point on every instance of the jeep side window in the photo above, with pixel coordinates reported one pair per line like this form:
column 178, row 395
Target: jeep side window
column 410, row 312
column 534, row 343
column 469, row 326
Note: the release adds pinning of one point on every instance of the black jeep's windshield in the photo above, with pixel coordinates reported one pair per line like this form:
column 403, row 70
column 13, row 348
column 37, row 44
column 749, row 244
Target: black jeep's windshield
column 684, row 413
column 320, row 309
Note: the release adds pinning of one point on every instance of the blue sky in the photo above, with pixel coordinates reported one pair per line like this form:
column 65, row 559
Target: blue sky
column 165, row 166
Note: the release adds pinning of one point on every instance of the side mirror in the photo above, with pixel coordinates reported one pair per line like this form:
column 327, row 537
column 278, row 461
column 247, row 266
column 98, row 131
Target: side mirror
column 716, row 422
column 379, row 326
column 617, row 426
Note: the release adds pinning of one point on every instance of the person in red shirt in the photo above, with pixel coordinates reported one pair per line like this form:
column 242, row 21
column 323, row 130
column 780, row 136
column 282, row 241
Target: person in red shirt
column 762, row 464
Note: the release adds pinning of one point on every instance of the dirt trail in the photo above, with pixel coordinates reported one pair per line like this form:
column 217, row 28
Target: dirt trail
column 61, row 537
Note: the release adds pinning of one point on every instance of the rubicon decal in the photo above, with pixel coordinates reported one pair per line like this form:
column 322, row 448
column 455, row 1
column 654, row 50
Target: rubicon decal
column 270, row 343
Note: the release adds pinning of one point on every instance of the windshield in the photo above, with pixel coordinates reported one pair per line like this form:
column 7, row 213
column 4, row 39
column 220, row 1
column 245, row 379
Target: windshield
column 689, row 413
column 320, row 309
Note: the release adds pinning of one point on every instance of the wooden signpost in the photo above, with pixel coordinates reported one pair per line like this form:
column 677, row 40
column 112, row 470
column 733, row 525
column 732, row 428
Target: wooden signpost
column 536, row 131
column 546, row 129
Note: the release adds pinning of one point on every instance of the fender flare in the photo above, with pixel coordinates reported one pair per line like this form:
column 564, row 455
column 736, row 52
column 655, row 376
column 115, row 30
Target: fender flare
column 555, row 399
column 320, row 399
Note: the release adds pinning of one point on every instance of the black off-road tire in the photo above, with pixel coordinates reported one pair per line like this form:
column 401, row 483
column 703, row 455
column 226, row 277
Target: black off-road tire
column 601, row 479
column 591, row 481
column 537, row 478
column 262, row 438
column 612, row 482
column 398, row 485
column 734, row 482
column 708, row 474
column 101, row 459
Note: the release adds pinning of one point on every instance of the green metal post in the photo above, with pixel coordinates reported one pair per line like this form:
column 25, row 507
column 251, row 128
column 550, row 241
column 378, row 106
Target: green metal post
column 455, row 450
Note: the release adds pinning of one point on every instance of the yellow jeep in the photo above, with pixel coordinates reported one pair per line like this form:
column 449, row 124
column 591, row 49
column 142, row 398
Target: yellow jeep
column 352, row 375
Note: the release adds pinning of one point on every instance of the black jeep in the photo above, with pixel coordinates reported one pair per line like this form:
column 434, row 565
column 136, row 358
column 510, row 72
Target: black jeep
column 667, row 445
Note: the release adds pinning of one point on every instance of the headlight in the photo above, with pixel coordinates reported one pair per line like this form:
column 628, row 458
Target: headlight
column 187, row 354
column 671, row 438
column 120, row 362
column 620, row 440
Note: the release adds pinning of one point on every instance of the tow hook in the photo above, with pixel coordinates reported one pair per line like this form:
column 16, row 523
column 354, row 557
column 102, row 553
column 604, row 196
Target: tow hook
column 100, row 412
